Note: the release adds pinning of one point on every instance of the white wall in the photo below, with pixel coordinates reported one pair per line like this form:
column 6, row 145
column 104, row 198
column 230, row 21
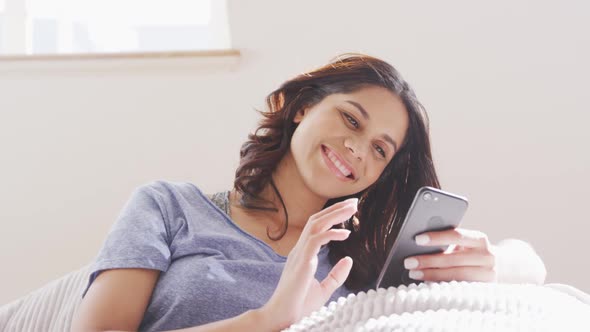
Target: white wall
column 504, row 83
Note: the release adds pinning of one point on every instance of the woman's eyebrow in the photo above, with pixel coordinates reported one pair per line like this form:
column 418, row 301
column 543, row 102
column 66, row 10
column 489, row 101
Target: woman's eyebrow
column 367, row 117
column 360, row 108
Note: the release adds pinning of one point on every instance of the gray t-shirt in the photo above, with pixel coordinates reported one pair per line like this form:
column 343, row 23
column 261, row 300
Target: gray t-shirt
column 211, row 268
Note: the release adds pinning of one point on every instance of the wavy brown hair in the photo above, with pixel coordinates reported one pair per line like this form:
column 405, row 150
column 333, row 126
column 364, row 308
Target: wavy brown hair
column 384, row 204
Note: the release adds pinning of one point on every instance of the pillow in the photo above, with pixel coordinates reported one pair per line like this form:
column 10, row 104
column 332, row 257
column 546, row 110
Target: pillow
column 50, row 308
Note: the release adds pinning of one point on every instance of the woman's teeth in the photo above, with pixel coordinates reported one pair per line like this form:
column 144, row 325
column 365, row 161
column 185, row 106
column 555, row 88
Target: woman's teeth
column 336, row 162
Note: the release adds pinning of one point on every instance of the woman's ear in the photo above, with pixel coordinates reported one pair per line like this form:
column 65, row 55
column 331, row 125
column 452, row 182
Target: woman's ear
column 300, row 115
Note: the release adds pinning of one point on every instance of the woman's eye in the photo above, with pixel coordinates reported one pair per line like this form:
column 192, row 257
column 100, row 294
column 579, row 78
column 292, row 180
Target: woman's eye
column 351, row 120
column 355, row 123
column 380, row 150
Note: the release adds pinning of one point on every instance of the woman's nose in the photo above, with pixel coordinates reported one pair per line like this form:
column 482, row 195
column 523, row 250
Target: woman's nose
column 356, row 154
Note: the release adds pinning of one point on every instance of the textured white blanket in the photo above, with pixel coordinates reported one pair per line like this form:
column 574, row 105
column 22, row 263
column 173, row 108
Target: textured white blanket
column 429, row 307
column 455, row 306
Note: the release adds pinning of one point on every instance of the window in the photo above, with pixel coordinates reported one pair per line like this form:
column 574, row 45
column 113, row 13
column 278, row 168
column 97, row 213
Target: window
column 111, row 26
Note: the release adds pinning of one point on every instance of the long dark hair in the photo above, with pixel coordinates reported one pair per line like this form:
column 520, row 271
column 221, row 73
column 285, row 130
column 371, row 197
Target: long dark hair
column 384, row 204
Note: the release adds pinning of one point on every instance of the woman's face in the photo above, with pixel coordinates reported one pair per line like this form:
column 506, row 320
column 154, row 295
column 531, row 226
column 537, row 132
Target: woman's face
column 343, row 143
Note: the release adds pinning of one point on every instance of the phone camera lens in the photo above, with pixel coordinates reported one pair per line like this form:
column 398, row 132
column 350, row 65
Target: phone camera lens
column 427, row 196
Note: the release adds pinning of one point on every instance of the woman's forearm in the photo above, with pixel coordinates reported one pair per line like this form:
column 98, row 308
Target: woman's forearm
column 517, row 262
column 251, row 320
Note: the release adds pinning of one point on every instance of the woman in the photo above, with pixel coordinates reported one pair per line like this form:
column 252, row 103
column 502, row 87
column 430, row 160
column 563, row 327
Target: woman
column 320, row 193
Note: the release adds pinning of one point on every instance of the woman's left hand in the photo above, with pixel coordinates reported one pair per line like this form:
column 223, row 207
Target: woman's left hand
column 472, row 257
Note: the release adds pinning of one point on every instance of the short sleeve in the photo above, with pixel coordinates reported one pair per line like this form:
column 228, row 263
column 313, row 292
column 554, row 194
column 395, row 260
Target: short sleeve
column 139, row 238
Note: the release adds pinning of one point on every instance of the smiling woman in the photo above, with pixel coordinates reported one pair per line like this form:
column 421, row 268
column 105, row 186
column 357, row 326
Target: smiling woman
column 353, row 144
column 322, row 189
column 359, row 112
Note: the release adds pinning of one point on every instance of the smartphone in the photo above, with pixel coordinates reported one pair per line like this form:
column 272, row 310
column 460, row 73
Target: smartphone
column 431, row 210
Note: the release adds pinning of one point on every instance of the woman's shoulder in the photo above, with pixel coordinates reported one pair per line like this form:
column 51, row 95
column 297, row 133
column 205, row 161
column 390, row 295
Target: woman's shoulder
column 182, row 194
column 168, row 189
column 163, row 184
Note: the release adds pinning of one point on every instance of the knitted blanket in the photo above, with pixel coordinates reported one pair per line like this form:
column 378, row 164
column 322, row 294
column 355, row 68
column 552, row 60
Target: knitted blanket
column 455, row 306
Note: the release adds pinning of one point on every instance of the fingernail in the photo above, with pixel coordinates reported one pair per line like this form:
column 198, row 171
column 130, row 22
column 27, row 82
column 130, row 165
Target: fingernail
column 411, row 263
column 416, row 274
column 422, row 239
column 353, row 200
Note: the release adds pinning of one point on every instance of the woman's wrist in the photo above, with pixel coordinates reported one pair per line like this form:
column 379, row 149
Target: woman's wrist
column 261, row 320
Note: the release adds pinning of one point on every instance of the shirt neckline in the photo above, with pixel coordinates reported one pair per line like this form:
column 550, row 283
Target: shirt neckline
column 229, row 220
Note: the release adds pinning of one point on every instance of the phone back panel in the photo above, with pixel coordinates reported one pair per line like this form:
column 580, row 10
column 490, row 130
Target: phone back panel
column 441, row 211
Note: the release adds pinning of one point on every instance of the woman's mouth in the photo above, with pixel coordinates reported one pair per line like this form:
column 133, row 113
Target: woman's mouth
column 333, row 162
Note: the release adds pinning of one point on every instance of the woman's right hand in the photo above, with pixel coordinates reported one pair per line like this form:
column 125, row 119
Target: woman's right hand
column 298, row 292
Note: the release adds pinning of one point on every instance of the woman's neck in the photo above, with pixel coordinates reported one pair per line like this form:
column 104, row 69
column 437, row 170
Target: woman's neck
column 300, row 201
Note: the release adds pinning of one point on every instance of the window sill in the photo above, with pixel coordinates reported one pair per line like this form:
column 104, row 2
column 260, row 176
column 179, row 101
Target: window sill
column 211, row 60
